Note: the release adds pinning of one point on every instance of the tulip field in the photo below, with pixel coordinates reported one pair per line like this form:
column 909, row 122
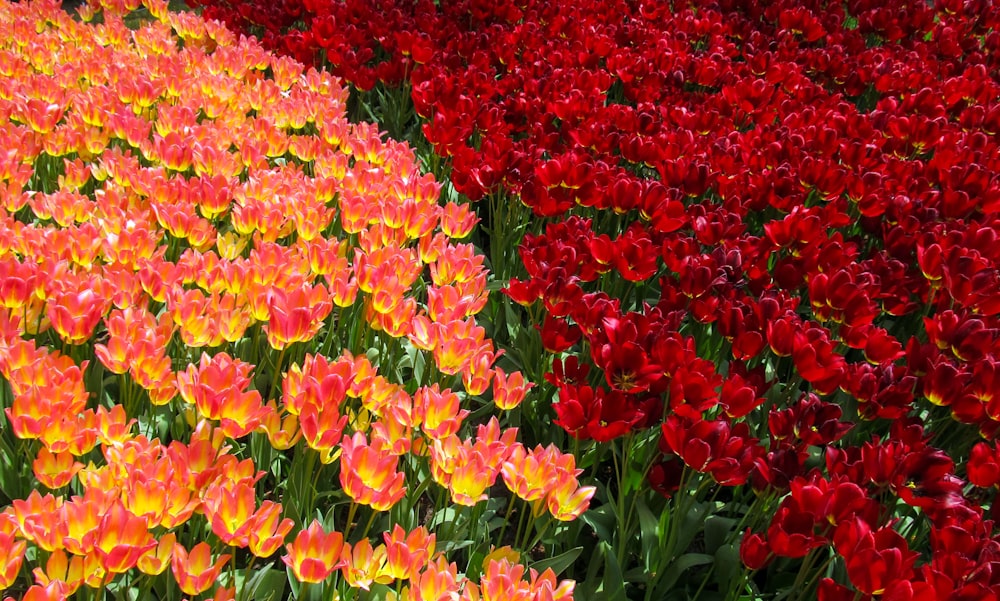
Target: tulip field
column 500, row 300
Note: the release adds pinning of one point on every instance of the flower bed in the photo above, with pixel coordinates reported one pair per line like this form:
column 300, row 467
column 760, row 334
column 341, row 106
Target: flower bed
column 232, row 318
column 756, row 290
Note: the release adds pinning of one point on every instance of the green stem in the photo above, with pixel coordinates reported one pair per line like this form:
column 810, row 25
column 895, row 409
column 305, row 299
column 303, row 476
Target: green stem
column 477, row 512
column 521, row 523
column 817, row 573
column 350, row 519
column 246, row 579
column 277, row 374
column 622, row 515
column 506, row 518
column 368, row 526
column 804, row 570
column 540, row 534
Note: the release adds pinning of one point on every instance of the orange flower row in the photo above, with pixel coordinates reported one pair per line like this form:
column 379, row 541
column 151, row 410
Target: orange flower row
column 172, row 196
column 316, row 554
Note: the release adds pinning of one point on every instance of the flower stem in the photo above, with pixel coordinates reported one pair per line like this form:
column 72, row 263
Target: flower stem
column 277, row 374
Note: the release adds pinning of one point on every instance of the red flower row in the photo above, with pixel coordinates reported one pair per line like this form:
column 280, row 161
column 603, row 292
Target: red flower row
column 809, row 192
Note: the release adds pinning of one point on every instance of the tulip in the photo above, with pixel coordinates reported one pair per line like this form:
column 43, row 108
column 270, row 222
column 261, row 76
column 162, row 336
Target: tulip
column 194, row 572
column 314, row 554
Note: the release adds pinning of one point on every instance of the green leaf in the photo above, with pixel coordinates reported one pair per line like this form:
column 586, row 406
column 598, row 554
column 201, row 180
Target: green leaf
column 558, row 563
column 266, row 584
column 718, row 530
column 602, row 520
column 512, row 319
column 679, row 566
column 613, row 583
column 728, row 566
column 475, row 567
column 649, row 535
column 293, row 583
column 691, row 524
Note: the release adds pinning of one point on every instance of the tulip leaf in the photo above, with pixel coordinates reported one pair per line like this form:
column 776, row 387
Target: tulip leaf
column 613, row 583
column 728, row 566
column 691, row 525
column 558, row 563
column 680, row 565
column 293, row 583
column 648, row 535
column 475, row 567
column 513, row 321
column 602, row 520
column 717, row 531
column 266, row 584
column 418, row 365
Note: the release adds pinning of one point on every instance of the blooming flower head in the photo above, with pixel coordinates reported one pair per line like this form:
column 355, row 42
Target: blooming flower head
column 314, row 554
column 368, row 472
column 194, row 572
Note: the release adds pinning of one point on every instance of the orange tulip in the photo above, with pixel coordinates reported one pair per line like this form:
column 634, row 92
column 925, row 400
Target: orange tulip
column 145, row 497
column 343, row 288
column 268, row 530
column 296, row 315
column 366, row 565
column 396, row 322
column 225, row 594
column 439, row 580
column 194, row 572
column 282, row 432
column 55, row 470
column 422, row 334
column 470, row 478
column 151, row 368
column 228, row 508
column 437, row 411
column 217, row 388
column 74, row 315
column 11, row 557
column 407, row 554
column 51, row 386
column 81, row 518
column 156, row 560
column 53, row 591
column 180, row 505
column 568, row 500
column 66, row 433
column 457, row 341
column 479, row 374
column 314, row 554
column 17, row 283
column 121, row 539
column 40, row 115
column 189, row 310
column 322, row 430
column 419, row 218
column 318, row 382
column 455, row 263
column 387, row 293
column 457, row 220
column 62, row 568
column 446, row 303
column 394, row 429
column 114, row 426
column 356, row 212
column 504, row 580
column 368, row 473
column 509, row 389
column 529, row 475
column 311, row 216
column 39, row 519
